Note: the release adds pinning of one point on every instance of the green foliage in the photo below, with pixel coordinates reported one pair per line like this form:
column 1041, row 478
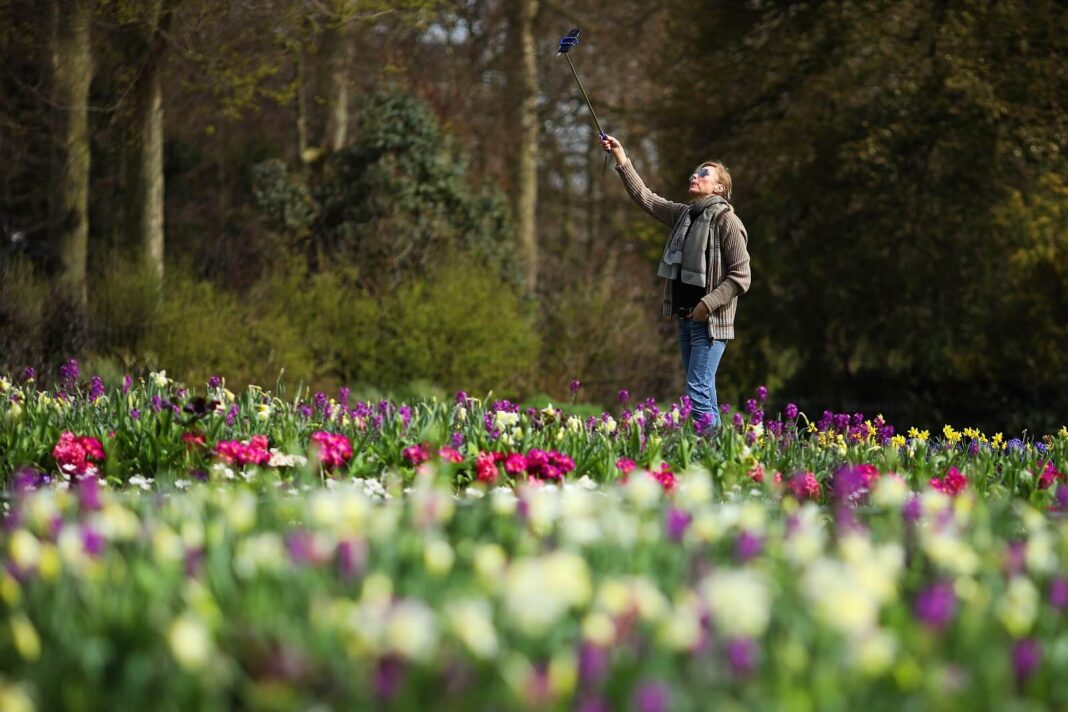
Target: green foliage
column 287, row 207
column 394, row 202
column 123, row 307
column 22, row 307
column 203, row 330
column 460, row 327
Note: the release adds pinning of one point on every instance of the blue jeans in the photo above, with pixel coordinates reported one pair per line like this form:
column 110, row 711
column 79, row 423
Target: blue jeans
column 700, row 360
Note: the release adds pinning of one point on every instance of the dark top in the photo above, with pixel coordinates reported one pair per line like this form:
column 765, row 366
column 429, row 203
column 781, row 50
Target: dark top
column 684, row 296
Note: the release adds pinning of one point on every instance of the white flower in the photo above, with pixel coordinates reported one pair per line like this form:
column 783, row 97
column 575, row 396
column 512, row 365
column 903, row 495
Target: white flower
column 503, row 419
column 471, row 620
column 141, row 482
column 190, row 642
column 181, row 484
column 263, row 411
column 890, row 491
column 1018, row 609
column 411, row 630
column 159, row 378
column 607, row 426
column 739, row 601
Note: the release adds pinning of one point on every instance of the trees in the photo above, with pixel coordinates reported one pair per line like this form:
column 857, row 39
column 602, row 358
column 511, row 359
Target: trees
column 71, row 61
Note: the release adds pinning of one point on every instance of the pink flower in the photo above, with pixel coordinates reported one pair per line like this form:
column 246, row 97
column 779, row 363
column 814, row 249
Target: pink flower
column 515, row 464
column 332, row 449
column 665, row 477
column 1050, row 475
column 952, row 484
column 804, row 486
column 486, row 468
column 416, row 454
column 78, row 455
column 251, row 452
column 625, row 465
column 757, row 474
column 450, row 454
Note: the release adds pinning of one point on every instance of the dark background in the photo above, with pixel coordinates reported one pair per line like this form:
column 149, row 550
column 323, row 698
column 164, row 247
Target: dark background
column 900, row 168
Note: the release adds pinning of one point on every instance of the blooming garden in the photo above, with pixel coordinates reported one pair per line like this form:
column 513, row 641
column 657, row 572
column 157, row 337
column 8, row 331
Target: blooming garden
column 197, row 548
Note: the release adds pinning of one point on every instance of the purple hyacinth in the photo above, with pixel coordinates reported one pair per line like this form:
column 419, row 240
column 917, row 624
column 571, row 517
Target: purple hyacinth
column 135, row 414
column 68, row 373
column 157, row 404
column 575, row 385
column 457, row 439
column 96, row 388
column 388, row 677
column 741, row 654
column 305, row 410
column 676, row 522
column 1026, row 658
column 1058, row 593
column 405, row 412
column 343, row 396
column 89, row 494
column 652, row 696
column 127, row 381
column 911, row 510
column 623, row 396
column 29, row 374
column 214, row 382
column 936, row 605
column 791, row 411
column 320, row 401
column 461, row 398
column 748, row 546
column 592, row 664
column 231, row 415
column 92, row 542
column 762, row 393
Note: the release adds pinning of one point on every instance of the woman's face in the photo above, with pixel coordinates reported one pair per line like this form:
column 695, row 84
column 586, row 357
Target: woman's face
column 705, row 183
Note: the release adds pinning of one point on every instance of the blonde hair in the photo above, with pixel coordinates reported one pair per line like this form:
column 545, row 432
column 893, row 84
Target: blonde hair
column 724, row 176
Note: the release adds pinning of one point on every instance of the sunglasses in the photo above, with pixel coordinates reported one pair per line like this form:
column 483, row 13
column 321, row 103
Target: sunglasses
column 703, row 173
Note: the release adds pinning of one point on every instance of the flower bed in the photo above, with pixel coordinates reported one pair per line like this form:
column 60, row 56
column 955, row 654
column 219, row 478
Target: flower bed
column 220, row 551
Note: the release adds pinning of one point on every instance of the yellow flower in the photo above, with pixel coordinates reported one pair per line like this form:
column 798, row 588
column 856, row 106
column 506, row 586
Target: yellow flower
column 951, row 435
column 1063, row 432
column 13, row 698
column 998, row 441
column 190, row 641
column 972, row 433
column 25, row 549
column 25, row 637
column 897, row 441
column 4, row 384
column 471, row 620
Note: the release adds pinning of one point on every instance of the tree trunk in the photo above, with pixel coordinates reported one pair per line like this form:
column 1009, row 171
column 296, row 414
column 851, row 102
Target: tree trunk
column 72, row 73
column 526, row 92
column 146, row 194
column 337, row 121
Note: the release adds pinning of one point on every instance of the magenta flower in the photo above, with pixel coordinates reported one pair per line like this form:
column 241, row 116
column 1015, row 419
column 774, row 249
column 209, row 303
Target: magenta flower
column 952, row 484
column 791, row 411
column 1058, row 593
column 333, row 450
column 936, row 605
column 652, row 696
column 251, row 452
column 575, row 385
column 416, row 454
column 676, row 522
column 741, row 654
column 1026, row 658
column 624, row 395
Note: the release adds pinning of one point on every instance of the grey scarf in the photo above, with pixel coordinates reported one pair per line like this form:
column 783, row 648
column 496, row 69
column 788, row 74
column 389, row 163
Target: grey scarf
column 686, row 251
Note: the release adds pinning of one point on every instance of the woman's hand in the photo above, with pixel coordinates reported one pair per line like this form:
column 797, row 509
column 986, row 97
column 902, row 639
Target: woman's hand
column 612, row 145
column 700, row 312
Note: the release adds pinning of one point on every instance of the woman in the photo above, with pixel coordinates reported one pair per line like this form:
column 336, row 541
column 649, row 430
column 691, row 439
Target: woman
column 706, row 268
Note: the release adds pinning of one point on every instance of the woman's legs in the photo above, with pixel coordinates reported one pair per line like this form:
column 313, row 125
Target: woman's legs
column 700, row 361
